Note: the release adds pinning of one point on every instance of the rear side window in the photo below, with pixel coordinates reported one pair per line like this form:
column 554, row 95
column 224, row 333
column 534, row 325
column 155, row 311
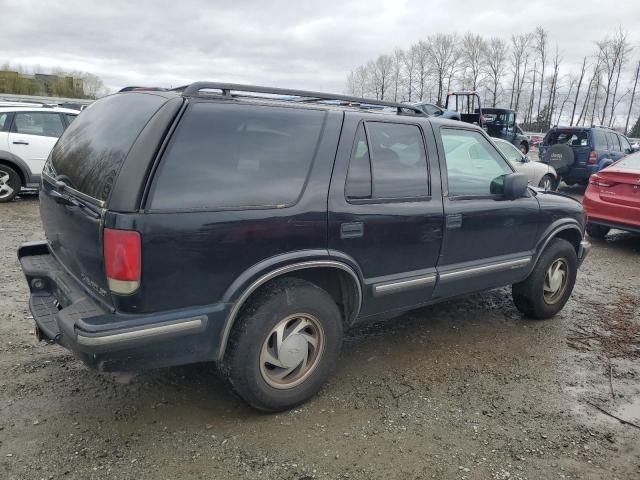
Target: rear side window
column 91, row 151
column 3, row 121
column 43, row 124
column 237, row 156
column 573, row 138
column 600, row 140
column 626, row 146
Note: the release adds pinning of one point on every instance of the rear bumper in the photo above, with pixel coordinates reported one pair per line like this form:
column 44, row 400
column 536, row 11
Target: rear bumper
column 609, row 214
column 613, row 224
column 579, row 174
column 66, row 314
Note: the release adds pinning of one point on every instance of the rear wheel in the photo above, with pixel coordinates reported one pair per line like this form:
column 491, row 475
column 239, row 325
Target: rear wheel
column 285, row 345
column 10, row 183
column 597, row 231
column 546, row 290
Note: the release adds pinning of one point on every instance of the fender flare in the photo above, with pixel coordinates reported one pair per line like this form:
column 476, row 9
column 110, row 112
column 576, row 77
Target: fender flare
column 240, row 290
column 552, row 232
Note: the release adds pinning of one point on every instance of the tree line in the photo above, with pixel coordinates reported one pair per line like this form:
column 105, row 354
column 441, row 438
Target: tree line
column 525, row 73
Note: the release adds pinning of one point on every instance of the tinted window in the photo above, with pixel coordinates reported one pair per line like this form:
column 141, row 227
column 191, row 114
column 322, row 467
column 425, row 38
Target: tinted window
column 227, row 156
column 512, row 153
column 93, row 148
column 44, row 124
column 359, row 176
column 398, row 160
column 474, row 167
column 614, row 144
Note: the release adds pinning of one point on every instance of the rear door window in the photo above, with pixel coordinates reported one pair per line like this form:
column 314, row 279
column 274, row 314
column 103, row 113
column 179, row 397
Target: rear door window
column 626, row 146
column 43, row 124
column 237, row 156
column 93, row 148
column 614, row 144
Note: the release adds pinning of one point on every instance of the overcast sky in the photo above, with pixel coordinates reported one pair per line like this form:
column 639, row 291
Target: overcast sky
column 309, row 44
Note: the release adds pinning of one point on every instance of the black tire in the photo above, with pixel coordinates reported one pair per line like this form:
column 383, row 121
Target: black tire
column 524, row 148
column 551, row 181
column 597, row 231
column 268, row 308
column 10, row 184
column 529, row 295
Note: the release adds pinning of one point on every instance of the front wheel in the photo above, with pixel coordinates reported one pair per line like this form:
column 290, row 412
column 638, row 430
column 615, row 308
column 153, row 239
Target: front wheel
column 548, row 288
column 285, row 345
column 10, row 183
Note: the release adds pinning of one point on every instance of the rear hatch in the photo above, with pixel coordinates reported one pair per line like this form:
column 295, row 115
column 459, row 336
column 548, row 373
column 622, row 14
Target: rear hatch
column 578, row 139
column 79, row 177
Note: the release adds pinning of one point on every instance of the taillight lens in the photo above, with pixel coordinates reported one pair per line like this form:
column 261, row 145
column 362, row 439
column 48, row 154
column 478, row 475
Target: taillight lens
column 593, row 158
column 599, row 181
column 123, row 260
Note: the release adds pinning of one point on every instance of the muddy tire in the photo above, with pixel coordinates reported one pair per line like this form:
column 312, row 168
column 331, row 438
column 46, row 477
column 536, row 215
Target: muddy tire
column 546, row 290
column 597, row 231
column 10, row 184
column 284, row 346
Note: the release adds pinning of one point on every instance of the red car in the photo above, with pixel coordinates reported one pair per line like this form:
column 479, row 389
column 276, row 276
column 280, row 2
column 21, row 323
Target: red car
column 612, row 199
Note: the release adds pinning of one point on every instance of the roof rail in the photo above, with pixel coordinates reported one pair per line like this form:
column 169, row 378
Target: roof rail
column 193, row 90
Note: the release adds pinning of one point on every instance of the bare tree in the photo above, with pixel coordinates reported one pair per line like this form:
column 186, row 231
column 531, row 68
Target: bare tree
column 422, row 52
column 443, row 58
column 473, row 56
column 397, row 70
column 575, row 102
column 613, row 52
column 540, row 36
column 554, row 86
column 633, row 96
column 519, row 64
column 409, row 59
column 494, row 64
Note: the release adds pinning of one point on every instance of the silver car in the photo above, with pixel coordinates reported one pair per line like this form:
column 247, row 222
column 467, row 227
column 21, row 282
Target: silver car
column 539, row 174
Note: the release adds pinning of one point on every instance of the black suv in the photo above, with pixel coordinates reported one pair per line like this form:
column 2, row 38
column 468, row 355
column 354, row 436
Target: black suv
column 251, row 226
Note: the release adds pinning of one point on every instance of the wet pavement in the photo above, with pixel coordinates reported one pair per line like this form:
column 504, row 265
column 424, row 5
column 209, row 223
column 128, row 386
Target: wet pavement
column 466, row 389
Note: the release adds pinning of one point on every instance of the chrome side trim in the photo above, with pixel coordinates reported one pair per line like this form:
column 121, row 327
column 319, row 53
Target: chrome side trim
column 387, row 288
column 182, row 327
column 493, row 267
column 276, row 273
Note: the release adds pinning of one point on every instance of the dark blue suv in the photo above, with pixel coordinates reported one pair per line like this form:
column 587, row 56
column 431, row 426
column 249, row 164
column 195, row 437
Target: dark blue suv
column 251, row 226
column 578, row 152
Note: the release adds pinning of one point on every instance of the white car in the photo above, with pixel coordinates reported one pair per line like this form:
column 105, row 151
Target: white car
column 28, row 132
column 539, row 174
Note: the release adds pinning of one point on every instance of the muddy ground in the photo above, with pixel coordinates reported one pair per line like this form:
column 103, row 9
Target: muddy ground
column 467, row 389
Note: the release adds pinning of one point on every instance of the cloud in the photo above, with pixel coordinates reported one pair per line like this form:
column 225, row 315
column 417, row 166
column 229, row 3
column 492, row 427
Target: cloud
column 311, row 44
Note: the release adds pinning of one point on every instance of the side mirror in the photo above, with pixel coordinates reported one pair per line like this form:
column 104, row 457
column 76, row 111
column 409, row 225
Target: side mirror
column 525, row 159
column 515, row 186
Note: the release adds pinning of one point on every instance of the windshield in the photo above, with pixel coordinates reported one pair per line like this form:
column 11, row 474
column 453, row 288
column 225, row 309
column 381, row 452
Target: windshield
column 91, row 151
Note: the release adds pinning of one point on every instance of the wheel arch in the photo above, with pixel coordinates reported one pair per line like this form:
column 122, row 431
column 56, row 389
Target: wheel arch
column 570, row 231
column 340, row 280
column 10, row 160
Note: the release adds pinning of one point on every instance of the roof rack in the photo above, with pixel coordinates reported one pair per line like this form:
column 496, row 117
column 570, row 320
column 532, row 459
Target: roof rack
column 193, row 90
column 602, row 126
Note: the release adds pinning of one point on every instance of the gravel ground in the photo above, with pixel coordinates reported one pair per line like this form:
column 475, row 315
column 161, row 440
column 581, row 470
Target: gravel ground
column 462, row 390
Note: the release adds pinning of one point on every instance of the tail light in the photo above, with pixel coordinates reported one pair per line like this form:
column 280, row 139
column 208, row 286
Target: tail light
column 123, row 260
column 593, row 158
column 599, row 181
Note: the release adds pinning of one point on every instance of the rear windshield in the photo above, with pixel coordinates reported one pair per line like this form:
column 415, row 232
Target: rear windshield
column 236, row 156
column 573, row 138
column 632, row 162
column 91, row 151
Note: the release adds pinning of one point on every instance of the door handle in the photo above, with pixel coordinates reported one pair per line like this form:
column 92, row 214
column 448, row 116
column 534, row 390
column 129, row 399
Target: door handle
column 453, row 221
column 20, row 142
column 352, row 230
